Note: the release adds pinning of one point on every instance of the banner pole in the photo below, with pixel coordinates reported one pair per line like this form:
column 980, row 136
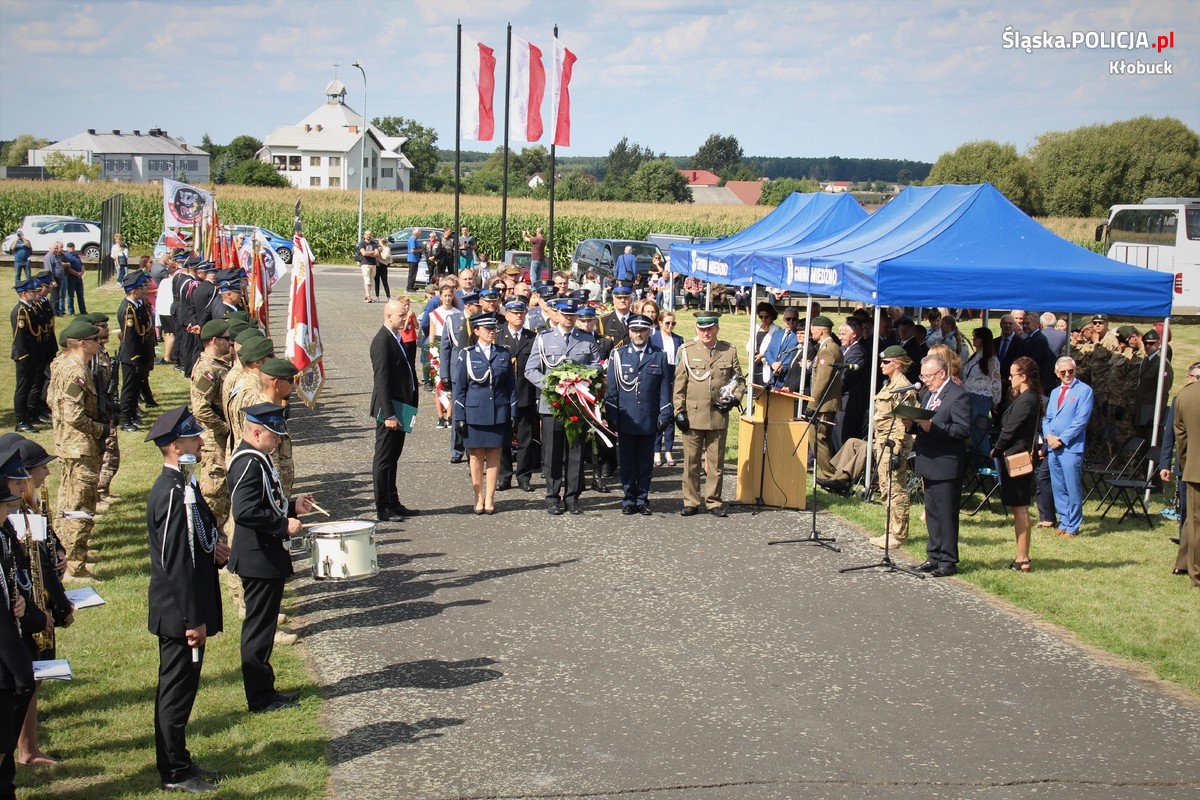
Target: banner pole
column 550, row 177
column 457, row 132
column 507, row 99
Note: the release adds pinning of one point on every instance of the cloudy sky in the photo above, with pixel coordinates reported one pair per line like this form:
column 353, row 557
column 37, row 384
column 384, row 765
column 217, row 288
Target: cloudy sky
column 889, row 78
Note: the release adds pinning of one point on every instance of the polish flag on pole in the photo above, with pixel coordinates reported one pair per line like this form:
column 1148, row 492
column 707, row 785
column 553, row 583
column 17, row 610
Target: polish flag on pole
column 564, row 62
column 479, row 90
column 526, row 91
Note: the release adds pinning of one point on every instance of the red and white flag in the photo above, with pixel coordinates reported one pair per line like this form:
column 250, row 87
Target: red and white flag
column 564, row 62
column 478, row 91
column 303, row 346
column 526, row 91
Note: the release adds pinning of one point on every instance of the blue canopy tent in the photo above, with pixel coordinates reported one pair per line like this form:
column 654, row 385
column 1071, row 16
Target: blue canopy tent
column 799, row 218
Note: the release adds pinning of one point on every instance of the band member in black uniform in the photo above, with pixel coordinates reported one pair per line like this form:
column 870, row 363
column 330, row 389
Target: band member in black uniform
column 602, row 457
column 227, row 301
column 136, row 354
column 49, row 344
column 264, row 522
column 519, row 341
column 16, row 662
column 482, row 411
column 186, row 551
column 182, row 286
column 26, row 355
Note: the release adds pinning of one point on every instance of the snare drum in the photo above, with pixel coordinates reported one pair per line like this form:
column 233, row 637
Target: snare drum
column 343, row 551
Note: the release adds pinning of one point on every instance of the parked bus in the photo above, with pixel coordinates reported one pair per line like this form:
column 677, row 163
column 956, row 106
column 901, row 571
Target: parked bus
column 1161, row 233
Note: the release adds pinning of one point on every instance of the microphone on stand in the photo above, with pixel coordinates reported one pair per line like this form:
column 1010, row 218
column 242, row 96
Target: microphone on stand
column 912, row 387
column 848, row 367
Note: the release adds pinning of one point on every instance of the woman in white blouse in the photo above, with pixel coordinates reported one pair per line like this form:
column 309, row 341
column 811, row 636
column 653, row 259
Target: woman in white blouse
column 667, row 340
column 766, row 333
column 981, row 379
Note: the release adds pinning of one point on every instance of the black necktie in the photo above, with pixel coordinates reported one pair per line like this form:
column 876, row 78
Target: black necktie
column 1003, row 347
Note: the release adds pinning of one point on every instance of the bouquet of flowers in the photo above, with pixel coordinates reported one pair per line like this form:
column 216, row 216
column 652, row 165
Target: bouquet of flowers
column 433, row 358
column 574, row 393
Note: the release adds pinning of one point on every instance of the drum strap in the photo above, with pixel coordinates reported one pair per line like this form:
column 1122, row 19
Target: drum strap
column 273, row 488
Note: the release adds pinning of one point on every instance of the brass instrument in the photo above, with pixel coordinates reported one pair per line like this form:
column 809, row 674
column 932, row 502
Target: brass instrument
column 44, row 639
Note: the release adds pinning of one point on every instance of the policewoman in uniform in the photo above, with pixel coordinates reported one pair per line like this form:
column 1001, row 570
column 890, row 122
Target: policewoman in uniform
column 264, row 521
column 893, row 461
column 638, row 407
column 484, row 394
column 703, row 366
column 185, row 597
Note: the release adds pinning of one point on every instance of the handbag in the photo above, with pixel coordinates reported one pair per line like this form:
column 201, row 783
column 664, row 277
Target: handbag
column 1020, row 464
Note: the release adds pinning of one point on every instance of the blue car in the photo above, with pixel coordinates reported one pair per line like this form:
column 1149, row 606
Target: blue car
column 278, row 243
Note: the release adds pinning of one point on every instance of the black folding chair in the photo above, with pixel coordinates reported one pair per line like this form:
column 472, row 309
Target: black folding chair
column 987, row 479
column 1118, row 467
column 1132, row 490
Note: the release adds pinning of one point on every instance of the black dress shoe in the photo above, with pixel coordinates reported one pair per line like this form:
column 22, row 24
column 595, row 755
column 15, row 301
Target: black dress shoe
column 926, row 566
column 607, row 471
column 130, row 427
column 384, row 516
column 553, row 508
column 944, row 571
column 274, row 705
column 645, row 511
column 719, row 511
column 1174, row 539
column 524, row 484
column 689, row 511
column 25, row 427
column 404, row 511
column 151, row 404
column 575, row 508
column 204, row 774
column 598, row 485
column 191, row 785
column 1179, row 572
column 44, row 419
column 287, row 697
column 504, row 486
column 629, row 511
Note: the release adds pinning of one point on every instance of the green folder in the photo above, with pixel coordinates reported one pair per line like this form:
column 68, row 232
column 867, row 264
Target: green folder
column 403, row 412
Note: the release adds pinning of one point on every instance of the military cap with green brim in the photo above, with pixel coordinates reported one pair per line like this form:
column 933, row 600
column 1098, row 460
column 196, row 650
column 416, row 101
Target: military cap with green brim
column 895, row 352
column 704, row 321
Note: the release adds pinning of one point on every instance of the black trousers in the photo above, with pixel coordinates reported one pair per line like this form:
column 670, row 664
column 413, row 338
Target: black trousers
column 37, row 392
column 178, row 682
column 522, row 460
column 943, row 500
column 381, row 278
column 8, row 743
column 637, row 459
column 131, row 389
column 411, row 284
column 389, row 444
column 23, row 409
column 562, row 465
column 263, row 596
column 144, row 367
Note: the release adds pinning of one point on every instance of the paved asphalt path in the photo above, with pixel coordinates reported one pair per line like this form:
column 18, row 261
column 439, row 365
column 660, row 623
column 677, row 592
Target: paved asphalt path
column 523, row 656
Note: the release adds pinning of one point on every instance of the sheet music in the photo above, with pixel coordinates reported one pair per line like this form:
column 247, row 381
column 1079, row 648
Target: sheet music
column 58, row 669
column 87, row 597
column 36, row 521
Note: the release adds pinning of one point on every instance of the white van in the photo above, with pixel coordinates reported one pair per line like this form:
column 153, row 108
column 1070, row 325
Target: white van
column 1161, row 233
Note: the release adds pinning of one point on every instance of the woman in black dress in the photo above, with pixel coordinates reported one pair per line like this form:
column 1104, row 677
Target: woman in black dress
column 1018, row 434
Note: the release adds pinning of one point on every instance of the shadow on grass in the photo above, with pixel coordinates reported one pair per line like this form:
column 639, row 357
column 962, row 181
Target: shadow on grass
column 367, row 739
column 426, row 674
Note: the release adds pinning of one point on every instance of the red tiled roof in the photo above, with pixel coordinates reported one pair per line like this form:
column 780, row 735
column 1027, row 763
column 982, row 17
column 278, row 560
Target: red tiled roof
column 747, row 191
column 700, row 177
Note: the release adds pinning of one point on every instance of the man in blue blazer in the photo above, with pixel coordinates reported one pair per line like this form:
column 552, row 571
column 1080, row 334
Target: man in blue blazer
column 1065, row 431
column 782, row 350
column 638, row 406
column 942, row 462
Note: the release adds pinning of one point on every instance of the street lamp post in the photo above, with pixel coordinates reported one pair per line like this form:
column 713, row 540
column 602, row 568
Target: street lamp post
column 362, row 151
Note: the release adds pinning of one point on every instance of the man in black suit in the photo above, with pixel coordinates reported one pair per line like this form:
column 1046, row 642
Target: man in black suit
column 519, row 341
column 916, row 351
column 393, row 385
column 1056, row 341
column 186, row 551
column 1037, row 347
column 941, row 461
column 264, row 520
column 1009, row 347
column 856, row 384
column 613, row 325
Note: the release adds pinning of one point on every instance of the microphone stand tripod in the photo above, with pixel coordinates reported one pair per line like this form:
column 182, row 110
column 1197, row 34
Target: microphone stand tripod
column 886, row 563
column 814, row 536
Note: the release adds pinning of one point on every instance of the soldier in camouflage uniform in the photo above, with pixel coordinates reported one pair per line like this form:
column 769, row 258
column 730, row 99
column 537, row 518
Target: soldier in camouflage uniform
column 893, row 461
column 208, row 376
column 1098, row 360
column 1123, row 368
column 1081, row 347
column 79, row 434
column 105, row 371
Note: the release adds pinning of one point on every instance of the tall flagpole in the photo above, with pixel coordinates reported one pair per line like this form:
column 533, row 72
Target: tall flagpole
column 553, row 136
column 507, row 98
column 457, row 132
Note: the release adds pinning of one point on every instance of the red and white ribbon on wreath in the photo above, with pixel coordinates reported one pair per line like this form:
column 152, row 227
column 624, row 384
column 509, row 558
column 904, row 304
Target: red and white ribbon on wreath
column 577, row 390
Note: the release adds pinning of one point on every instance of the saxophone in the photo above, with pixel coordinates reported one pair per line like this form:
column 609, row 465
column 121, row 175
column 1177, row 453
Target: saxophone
column 44, row 639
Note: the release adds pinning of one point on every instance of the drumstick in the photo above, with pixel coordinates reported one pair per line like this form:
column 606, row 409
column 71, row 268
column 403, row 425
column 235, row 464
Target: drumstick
column 317, row 508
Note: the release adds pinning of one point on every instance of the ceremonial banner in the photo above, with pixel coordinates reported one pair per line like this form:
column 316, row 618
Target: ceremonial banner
column 526, row 91
column 256, row 290
column 564, row 63
column 183, row 204
column 479, row 90
column 304, row 331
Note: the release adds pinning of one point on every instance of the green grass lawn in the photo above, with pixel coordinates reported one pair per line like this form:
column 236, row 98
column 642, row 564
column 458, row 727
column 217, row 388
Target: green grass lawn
column 101, row 723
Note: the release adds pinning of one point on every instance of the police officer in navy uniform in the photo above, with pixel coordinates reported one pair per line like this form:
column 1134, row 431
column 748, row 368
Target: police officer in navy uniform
column 264, row 521
column 482, row 412
column 186, row 550
column 562, row 464
column 637, row 405
column 518, row 339
column 455, row 336
column 537, row 319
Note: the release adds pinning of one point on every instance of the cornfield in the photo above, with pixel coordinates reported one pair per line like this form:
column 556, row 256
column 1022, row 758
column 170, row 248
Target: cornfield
column 331, row 217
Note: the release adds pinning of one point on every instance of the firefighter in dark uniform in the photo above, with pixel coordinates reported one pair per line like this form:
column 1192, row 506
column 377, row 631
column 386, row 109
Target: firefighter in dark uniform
column 519, row 341
column 264, row 521
column 185, row 597
column 49, row 344
column 637, row 405
column 136, row 354
column 26, row 355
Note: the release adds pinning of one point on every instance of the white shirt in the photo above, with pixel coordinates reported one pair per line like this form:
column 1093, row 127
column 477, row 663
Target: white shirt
column 162, row 301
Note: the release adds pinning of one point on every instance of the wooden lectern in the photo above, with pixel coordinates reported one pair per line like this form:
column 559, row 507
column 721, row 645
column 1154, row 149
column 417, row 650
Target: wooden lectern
column 785, row 484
